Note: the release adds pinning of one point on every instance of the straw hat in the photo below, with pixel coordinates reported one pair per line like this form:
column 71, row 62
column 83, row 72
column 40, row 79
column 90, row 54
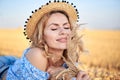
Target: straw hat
column 31, row 23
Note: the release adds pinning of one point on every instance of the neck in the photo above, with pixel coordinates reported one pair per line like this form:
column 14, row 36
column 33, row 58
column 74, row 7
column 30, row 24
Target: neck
column 55, row 57
column 56, row 52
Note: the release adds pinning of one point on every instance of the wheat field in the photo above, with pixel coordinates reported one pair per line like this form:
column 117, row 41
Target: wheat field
column 102, row 60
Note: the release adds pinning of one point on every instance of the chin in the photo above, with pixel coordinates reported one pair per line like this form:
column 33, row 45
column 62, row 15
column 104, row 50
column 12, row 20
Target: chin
column 63, row 47
column 60, row 46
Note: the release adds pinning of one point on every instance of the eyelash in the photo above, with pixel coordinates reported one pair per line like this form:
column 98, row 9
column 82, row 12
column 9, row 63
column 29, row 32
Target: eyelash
column 66, row 28
column 53, row 29
column 56, row 28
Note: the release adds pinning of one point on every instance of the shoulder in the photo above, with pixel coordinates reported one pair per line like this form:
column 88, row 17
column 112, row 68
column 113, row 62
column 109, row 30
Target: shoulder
column 37, row 58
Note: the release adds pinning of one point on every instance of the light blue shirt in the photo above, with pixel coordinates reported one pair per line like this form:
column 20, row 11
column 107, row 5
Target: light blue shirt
column 22, row 69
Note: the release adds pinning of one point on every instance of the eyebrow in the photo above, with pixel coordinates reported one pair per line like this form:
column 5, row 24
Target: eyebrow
column 53, row 24
column 66, row 23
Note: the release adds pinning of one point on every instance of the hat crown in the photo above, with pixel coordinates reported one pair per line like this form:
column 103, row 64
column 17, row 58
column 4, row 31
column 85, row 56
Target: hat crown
column 63, row 5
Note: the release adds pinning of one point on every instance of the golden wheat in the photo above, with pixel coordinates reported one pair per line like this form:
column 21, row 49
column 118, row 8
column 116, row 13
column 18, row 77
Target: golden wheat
column 102, row 62
column 12, row 42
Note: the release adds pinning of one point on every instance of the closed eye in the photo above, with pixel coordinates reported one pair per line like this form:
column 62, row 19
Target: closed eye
column 54, row 29
column 66, row 25
column 67, row 28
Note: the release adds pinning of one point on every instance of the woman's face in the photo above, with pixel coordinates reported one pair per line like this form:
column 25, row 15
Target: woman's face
column 56, row 31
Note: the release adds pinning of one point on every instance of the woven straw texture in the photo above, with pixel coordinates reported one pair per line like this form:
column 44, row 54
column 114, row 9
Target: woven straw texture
column 68, row 8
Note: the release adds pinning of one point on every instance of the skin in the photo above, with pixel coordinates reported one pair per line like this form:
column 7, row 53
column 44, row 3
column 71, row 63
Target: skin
column 56, row 31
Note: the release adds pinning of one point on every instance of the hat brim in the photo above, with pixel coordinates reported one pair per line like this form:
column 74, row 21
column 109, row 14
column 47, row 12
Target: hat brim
column 36, row 16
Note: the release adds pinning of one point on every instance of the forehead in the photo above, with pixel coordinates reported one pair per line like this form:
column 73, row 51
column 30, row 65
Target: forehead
column 57, row 17
column 58, row 11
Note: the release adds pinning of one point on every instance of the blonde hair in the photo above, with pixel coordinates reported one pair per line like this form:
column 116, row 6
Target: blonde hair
column 37, row 37
column 70, row 55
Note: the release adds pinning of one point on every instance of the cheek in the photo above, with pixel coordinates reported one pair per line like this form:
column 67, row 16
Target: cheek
column 69, row 32
column 49, row 37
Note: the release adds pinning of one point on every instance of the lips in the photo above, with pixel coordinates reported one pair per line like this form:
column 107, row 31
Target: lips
column 62, row 40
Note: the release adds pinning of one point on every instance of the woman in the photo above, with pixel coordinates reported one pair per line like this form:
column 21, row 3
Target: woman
column 48, row 30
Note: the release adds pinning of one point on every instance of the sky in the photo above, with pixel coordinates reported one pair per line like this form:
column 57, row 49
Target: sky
column 98, row 14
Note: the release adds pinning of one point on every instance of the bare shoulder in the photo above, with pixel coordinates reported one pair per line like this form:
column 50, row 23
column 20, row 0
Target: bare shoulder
column 37, row 58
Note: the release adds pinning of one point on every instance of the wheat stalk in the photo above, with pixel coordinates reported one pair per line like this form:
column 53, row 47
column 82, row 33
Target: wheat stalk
column 74, row 49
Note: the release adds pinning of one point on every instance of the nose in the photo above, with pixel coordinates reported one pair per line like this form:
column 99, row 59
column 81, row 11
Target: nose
column 62, row 31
